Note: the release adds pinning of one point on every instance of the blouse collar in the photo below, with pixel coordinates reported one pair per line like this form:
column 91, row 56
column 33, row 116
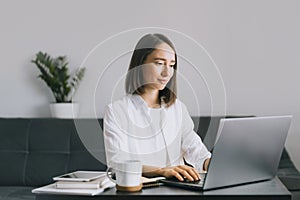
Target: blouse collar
column 139, row 102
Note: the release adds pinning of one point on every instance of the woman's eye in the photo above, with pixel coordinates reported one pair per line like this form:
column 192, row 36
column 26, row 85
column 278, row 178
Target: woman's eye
column 159, row 63
column 172, row 66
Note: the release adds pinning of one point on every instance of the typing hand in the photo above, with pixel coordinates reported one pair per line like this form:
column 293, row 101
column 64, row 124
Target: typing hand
column 180, row 172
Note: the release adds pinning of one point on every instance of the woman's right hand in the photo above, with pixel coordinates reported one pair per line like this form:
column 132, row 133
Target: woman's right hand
column 180, row 172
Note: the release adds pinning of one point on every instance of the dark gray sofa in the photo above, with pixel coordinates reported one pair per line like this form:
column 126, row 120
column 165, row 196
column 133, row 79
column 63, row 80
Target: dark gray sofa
column 32, row 151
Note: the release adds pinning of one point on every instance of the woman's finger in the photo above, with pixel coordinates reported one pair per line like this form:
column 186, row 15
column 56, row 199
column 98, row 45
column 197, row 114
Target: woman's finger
column 177, row 175
column 191, row 171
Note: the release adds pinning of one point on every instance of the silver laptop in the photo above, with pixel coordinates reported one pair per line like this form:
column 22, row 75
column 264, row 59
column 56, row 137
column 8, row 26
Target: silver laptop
column 247, row 150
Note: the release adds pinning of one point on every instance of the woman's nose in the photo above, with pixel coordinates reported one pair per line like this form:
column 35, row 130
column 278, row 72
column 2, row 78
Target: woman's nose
column 165, row 71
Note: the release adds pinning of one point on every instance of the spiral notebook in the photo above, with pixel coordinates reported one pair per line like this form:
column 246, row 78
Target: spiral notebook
column 152, row 182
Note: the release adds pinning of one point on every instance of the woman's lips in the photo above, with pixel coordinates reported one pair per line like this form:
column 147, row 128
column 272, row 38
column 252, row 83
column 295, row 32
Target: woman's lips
column 163, row 81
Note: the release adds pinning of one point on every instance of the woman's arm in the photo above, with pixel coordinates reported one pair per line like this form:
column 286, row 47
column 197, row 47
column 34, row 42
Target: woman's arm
column 194, row 151
column 179, row 172
column 112, row 137
column 205, row 164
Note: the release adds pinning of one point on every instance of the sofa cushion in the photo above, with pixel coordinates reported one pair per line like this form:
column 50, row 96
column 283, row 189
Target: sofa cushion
column 35, row 150
column 13, row 150
column 16, row 193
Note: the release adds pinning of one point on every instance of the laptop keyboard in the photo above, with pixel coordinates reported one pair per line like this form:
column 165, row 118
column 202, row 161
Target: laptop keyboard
column 188, row 181
column 191, row 183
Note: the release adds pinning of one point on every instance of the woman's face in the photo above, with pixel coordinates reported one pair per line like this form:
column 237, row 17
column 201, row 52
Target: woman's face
column 158, row 68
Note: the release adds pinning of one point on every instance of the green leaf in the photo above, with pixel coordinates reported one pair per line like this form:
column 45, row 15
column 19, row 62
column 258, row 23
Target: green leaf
column 55, row 73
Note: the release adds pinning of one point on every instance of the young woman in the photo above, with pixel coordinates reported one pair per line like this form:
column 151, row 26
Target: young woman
column 150, row 124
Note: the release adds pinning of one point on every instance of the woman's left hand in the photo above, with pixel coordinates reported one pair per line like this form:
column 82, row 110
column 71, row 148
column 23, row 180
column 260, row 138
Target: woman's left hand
column 180, row 172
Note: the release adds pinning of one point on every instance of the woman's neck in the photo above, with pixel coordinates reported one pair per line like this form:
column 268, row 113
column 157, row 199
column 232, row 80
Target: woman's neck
column 151, row 98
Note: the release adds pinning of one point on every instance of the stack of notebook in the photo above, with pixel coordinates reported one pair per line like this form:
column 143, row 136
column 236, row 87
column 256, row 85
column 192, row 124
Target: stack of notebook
column 78, row 183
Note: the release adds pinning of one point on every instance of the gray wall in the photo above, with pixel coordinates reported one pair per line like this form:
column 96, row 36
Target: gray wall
column 254, row 44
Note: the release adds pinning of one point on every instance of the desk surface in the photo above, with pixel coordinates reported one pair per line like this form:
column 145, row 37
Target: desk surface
column 272, row 189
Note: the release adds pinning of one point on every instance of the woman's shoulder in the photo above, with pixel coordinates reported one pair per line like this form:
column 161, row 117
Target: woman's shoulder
column 177, row 104
column 120, row 101
column 118, row 104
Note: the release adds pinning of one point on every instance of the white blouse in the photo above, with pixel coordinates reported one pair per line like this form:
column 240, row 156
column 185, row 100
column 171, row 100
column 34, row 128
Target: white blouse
column 158, row 137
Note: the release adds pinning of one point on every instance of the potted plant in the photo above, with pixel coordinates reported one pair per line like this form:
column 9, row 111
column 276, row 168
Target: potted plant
column 55, row 73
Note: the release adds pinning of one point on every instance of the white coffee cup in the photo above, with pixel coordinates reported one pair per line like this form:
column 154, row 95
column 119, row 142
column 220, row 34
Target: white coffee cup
column 127, row 174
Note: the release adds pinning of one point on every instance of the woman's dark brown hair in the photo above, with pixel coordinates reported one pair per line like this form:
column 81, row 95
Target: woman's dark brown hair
column 134, row 79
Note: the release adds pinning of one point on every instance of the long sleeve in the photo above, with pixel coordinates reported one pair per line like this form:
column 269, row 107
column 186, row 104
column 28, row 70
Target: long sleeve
column 112, row 137
column 194, row 151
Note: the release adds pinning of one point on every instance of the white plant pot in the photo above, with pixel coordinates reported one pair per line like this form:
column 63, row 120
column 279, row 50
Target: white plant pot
column 64, row 110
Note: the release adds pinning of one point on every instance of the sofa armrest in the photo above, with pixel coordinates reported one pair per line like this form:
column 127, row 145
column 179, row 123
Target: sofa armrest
column 291, row 182
column 288, row 173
